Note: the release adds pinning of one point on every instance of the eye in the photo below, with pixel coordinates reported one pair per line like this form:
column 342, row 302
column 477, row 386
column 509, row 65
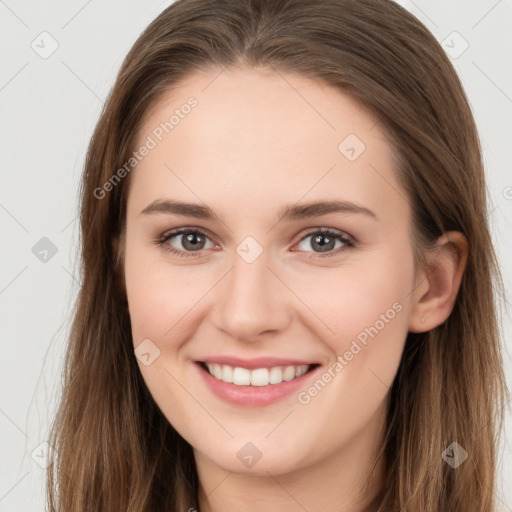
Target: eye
column 324, row 241
column 191, row 240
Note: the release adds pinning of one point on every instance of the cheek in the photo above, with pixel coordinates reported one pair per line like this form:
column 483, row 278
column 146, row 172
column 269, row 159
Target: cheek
column 159, row 295
column 161, row 301
column 350, row 300
column 157, row 304
column 169, row 304
column 366, row 308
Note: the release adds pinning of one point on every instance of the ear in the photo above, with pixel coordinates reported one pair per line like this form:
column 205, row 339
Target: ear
column 434, row 296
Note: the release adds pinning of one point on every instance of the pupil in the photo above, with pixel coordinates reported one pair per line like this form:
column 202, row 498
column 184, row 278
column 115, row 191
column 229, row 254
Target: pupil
column 324, row 246
column 190, row 241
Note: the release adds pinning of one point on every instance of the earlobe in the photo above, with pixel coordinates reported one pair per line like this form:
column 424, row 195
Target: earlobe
column 435, row 296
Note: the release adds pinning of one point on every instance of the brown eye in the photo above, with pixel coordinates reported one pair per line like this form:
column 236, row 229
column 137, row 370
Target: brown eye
column 192, row 241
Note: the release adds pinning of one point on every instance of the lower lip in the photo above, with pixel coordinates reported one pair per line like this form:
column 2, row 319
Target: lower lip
column 254, row 396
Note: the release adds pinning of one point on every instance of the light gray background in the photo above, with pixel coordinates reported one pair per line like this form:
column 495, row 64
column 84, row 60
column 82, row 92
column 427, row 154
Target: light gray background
column 49, row 107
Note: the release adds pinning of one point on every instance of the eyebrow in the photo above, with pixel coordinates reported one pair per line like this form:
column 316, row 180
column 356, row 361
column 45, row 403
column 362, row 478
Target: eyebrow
column 287, row 212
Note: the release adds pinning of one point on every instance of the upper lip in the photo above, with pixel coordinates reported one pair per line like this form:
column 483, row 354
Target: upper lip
column 251, row 364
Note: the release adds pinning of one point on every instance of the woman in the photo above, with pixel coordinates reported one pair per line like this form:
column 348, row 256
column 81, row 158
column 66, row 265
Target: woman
column 287, row 298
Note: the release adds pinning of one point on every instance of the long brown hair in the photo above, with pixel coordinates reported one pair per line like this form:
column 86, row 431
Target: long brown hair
column 116, row 450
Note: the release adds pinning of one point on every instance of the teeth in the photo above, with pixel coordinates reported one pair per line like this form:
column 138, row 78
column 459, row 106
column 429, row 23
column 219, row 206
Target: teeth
column 257, row 377
column 241, row 376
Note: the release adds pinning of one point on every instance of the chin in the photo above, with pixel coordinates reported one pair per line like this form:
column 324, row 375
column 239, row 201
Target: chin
column 248, row 460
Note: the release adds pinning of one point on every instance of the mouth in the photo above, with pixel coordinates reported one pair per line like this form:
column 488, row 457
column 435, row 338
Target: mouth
column 257, row 377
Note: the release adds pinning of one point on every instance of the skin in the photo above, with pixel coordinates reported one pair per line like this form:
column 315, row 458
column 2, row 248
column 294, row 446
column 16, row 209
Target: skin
column 257, row 140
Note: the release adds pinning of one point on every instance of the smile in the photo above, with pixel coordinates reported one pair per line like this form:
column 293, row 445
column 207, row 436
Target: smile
column 256, row 377
column 255, row 382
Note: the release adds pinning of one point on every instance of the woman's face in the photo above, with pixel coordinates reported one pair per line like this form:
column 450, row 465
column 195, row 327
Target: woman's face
column 245, row 281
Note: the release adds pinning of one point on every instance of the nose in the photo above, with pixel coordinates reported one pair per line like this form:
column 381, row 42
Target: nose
column 252, row 301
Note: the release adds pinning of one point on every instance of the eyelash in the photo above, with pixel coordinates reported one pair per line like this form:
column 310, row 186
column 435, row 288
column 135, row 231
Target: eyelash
column 349, row 242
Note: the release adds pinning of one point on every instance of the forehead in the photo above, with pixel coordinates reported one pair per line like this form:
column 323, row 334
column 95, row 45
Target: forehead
column 260, row 133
